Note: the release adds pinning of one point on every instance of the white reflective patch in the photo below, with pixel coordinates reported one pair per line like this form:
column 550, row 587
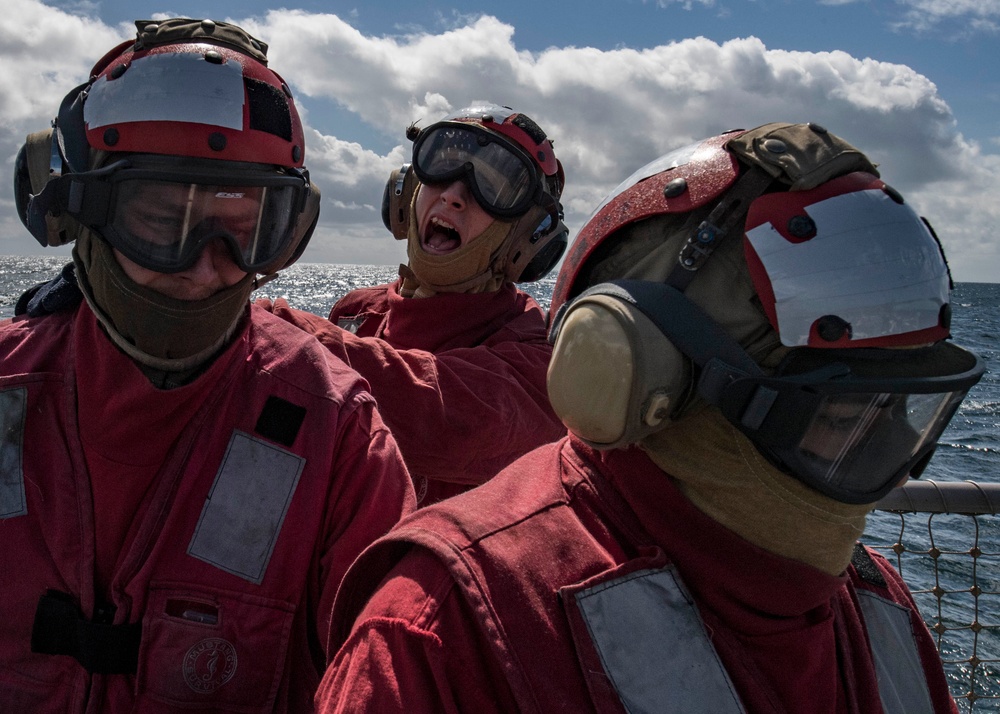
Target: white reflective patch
column 246, row 507
column 902, row 685
column 12, row 413
column 169, row 87
column 671, row 160
column 884, row 278
column 653, row 646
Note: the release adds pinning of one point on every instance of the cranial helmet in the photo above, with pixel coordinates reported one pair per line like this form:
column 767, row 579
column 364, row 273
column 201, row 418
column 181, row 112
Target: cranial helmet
column 511, row 169
column 188, row 106
column 772, row 274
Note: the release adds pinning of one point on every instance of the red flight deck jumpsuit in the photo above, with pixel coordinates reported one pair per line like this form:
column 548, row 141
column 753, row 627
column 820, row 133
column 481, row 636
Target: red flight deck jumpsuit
column 459, row 377
column 582, row 581
column 164, row 550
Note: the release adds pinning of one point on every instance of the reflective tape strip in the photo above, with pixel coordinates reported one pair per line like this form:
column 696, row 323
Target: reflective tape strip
column 13, row 408
column 174, row 86
column 246, row 507
column 902, row 684
column 653, row 645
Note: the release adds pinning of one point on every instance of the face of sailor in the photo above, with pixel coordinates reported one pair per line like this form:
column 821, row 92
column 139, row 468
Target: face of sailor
column 448, row 217
column 155, row 219
column 841, row 424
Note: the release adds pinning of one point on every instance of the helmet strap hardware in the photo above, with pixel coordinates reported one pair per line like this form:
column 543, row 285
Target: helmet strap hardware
column 710, row 233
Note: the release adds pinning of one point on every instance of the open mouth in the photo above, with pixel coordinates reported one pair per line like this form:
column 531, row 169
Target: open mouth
column 440, row 237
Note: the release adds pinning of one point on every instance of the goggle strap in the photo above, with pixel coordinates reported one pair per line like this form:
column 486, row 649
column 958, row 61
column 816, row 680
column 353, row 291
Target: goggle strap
column 683, row 322
column 86, row 201
column 759, row 407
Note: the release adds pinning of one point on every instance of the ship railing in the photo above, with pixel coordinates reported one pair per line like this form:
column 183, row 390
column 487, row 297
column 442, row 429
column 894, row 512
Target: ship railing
column 947, row 548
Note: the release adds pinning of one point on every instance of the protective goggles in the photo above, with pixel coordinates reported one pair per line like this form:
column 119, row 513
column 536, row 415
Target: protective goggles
column 844, row 424
column 504, row 179
column 161, row 212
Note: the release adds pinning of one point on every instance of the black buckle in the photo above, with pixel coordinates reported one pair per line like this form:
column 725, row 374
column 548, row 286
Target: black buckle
column 60, row 629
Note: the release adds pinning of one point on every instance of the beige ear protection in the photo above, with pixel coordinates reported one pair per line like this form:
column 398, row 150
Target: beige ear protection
column 614, row 377
column 628, row 356
column 396, row 200
column 38, row 162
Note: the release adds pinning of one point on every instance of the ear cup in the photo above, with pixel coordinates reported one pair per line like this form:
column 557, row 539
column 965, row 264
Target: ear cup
column 614, row 377
column 22, row 184
column 535, row 246
column 396, row 199
column 37, row 163
column 549, row 250
column 591, row 375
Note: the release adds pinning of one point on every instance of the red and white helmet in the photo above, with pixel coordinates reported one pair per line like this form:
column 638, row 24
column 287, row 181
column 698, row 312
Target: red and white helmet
column 196, row 92
column 510, row 167
column 192, row 88
column 844, row 264
column 778, row 267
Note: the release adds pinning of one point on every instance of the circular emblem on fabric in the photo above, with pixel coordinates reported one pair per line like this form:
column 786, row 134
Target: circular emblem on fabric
column 209, row 664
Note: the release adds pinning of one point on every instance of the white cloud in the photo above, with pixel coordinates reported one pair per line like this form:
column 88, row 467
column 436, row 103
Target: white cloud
column 965, row 16
column 44, row 52
column 608, row 111
column 685, row 4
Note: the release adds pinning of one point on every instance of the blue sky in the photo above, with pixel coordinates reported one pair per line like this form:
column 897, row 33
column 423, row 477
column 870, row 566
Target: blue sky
column 616, row 83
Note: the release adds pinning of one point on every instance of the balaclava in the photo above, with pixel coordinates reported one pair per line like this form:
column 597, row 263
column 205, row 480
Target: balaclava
column 476, row 267
column 162, row 334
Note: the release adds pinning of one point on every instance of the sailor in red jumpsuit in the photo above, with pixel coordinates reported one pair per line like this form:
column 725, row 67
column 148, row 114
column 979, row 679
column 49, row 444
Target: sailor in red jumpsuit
column 691, row 546
column 184, row 478
column 455, row 354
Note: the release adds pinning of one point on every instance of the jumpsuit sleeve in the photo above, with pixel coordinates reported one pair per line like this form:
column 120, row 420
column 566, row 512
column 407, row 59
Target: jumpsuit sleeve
column 371, row 492
column 415, row 648
column 459, row 415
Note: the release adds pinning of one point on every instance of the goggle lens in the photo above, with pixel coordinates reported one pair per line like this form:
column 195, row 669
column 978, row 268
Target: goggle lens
column 853, row 423
column 164, row 225
column 856, row 443
column 503, row 179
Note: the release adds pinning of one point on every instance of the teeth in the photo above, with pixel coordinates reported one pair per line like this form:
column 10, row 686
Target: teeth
column 442, row 224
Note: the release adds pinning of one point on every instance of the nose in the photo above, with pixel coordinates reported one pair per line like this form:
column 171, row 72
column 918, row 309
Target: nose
column 210, row 262
column 456, row 195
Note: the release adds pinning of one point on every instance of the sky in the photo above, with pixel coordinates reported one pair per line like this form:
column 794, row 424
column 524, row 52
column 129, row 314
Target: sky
column 614, row 83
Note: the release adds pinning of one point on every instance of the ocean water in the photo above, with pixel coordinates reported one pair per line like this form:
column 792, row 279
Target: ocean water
column 969, row 450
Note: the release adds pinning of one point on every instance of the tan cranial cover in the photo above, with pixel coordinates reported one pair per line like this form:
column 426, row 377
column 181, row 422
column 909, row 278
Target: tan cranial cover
column 476, row 267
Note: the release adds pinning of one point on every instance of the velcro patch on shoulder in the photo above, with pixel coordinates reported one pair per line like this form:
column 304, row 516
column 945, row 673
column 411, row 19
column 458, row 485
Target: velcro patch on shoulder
column 801, row 155
column 280, row 420
column 13, row 412
column 863, row 563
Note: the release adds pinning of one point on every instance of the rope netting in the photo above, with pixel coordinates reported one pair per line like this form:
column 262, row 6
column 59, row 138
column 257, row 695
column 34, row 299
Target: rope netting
column 944, row 539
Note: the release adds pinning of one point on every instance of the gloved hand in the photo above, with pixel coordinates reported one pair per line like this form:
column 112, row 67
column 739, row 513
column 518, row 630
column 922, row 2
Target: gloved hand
column 60, row 293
